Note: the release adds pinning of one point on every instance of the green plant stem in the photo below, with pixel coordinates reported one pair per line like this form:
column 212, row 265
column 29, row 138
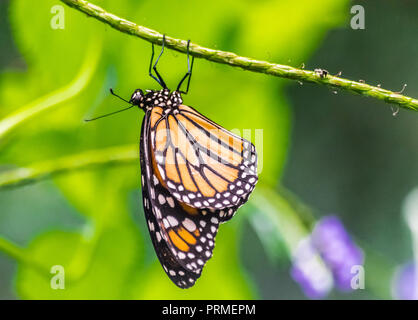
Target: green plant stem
column 12, row 250
column 87, row 159
column 20, row 255
column 53, row 99
column 280, row 212
column 229, row 58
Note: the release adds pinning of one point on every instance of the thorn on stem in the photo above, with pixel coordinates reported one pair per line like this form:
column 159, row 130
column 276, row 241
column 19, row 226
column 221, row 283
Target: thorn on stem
column 403, row 88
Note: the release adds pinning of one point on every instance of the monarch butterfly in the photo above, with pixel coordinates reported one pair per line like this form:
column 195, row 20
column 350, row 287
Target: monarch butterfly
column 194, row 173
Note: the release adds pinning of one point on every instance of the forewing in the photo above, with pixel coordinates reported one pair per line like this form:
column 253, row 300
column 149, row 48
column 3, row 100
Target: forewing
column 201, row 163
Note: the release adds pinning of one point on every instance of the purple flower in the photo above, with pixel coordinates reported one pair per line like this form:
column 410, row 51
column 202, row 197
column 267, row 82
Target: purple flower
column 405, row 283
column 338, row 250
column 310, row 272
column 339, row 264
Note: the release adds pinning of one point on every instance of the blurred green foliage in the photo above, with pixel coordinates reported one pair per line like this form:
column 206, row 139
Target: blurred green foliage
column 110, row 257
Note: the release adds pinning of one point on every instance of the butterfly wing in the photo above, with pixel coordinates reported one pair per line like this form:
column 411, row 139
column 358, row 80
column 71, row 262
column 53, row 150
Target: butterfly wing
column 183, row 236
column 201, row 163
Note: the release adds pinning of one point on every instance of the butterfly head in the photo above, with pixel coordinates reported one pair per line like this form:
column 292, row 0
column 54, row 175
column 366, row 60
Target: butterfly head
column 137, row 98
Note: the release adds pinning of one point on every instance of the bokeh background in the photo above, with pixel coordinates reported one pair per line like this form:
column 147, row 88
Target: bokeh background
column 324, row 153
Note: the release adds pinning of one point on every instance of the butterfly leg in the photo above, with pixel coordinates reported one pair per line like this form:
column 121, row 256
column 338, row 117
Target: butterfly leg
column 159, row 79
column 118, row 96
column 189, row 71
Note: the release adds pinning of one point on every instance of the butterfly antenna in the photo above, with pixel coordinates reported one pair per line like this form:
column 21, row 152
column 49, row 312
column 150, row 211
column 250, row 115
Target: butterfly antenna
column 109, row 114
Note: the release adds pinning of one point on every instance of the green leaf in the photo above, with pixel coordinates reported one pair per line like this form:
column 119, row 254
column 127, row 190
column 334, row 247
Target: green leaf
column 96, row 267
